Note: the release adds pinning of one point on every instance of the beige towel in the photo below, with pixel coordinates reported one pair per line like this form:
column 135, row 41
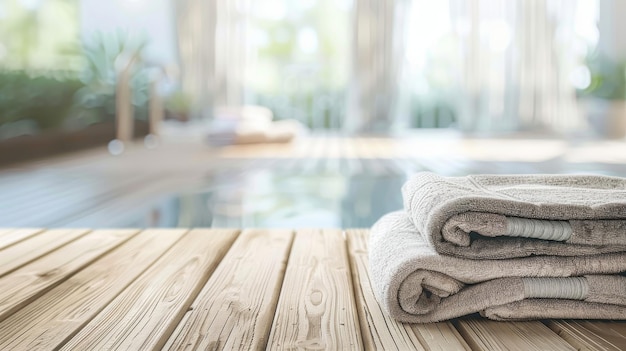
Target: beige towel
column 499, row 217
column 414, row 283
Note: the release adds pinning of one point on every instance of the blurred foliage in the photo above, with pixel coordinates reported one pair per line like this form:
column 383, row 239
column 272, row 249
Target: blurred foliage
column 55, row 99
column 434, row 111
column 39, row 35
column 44, row 99
column 105, row 55
column 321, row 108
column 607, row 78
column 300, row 45
column 179, row 103
column 303, row 55
column 48, row 80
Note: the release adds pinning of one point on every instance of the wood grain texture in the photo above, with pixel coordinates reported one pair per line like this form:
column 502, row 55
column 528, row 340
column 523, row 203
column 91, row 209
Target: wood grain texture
column 10, row 237
column 49, row 321
column 144, row 315
column 116, row 289
column 316, row 309
column 482, row 334
column 36, row 246
column 379, row 331
column 441, row 336
column 586, row 335
column 234, row 310
column 22, row 286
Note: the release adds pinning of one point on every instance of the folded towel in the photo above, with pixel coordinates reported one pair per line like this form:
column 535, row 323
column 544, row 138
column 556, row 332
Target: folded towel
column 498, row 217
column 415, row 283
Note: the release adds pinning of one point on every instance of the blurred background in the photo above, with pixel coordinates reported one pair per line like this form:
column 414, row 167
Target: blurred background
column 276, row 113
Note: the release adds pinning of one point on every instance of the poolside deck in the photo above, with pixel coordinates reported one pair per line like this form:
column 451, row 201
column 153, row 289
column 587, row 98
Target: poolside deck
column 207, row 289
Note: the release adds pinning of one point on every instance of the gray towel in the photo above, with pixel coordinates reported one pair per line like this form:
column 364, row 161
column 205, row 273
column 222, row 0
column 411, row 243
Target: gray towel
column 416, row 284
column 498, row 217
column 510, row 247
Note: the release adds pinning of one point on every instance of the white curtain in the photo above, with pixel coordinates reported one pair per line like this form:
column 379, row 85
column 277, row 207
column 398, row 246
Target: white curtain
column 505, row 65
column 212, row 48
column 500, row 65
column 496, row 65
column 378, row 48
column 519, row 56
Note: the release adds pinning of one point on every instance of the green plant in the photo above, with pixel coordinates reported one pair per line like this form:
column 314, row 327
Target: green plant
column 39, row 34
column 178, row 103
column 49, row 98
column 45, row 99
column 607, row 78
column 103, row 54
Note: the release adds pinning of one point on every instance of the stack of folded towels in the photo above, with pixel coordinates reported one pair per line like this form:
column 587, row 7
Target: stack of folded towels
column 512, row 247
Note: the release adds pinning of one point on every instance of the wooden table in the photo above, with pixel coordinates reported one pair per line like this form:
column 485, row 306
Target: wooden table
column 208, row 289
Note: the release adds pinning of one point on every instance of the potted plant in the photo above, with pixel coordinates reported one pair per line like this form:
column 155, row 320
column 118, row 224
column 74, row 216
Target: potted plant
column 605, row 97
column 96, row 100
column 178, row 106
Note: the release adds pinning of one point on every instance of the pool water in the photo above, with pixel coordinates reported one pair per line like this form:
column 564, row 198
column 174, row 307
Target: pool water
column 274, row 198
column 320, row 193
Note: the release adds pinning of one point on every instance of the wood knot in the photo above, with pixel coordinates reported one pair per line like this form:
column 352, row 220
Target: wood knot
column 48, row 274
column 316, row 297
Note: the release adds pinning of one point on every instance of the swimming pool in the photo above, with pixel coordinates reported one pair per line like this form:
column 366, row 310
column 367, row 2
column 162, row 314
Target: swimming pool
column 320, row 193
column 279, row 198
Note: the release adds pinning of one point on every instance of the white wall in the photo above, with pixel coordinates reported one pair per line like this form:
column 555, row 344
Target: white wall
column 153, row 18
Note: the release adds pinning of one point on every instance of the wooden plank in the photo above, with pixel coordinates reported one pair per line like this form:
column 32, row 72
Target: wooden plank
column 29, row 250
column 441, row 336
column 316, row 308
column 483, row 334
column 586, row 335
column 46, row 323
column 23, row 285
column 10, row 237
column 380, row 332
column 364, row 148
column 235, row 309
column 144, row 315
column 301, row 148
column 4, row 231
